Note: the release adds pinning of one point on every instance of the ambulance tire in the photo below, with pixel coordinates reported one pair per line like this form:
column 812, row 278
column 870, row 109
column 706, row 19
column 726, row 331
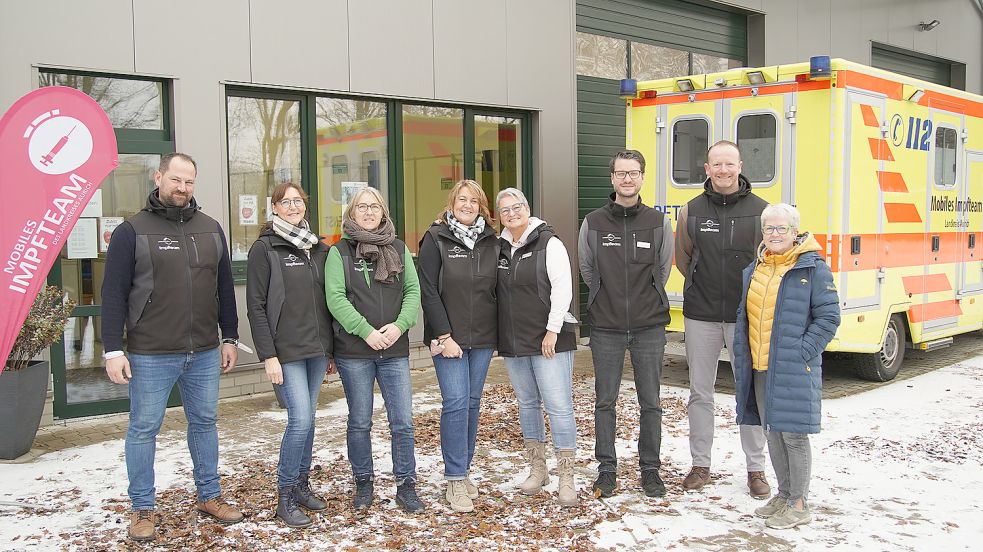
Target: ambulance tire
column 884, row 364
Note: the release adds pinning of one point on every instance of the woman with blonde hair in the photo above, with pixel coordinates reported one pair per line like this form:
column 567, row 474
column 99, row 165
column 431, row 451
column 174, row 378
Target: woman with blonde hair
column 374, row 295
column 788, row 313
column 457, row 267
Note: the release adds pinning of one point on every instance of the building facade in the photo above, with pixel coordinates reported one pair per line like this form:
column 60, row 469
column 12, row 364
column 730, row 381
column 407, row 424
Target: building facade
column 407, row 96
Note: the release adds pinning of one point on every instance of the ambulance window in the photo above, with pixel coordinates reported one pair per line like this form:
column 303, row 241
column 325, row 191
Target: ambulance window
column 945, row 156
column 756, row 140
column 690, row 141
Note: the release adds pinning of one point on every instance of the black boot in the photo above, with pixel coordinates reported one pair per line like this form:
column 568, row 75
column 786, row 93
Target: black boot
column 363, row 492
column 406, row 497
column 306, row 497
column 287, row 510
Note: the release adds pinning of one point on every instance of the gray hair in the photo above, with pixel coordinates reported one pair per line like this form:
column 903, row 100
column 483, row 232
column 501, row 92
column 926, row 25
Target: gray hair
column 781, row 210
column 514, row 192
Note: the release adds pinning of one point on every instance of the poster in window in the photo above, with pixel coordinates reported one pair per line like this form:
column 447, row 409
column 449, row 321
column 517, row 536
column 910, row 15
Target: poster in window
column 106, row 227
column 83, row 242
column 248, row 212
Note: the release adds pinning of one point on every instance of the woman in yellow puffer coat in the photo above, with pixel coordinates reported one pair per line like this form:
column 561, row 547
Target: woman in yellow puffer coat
column 788, row 313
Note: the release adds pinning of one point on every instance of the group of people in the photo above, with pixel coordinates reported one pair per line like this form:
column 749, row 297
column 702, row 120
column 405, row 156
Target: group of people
column 314, row 308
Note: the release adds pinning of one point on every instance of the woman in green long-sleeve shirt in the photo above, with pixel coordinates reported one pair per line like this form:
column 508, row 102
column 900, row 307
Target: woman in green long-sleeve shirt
column 374, row 296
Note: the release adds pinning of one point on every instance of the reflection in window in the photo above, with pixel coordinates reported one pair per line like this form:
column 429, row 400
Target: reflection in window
column 650, row 62
column 756, row 141
column 498, row 154
column 945, row 156
column 602, row 56
column 690, row 142
column 351, row 153
column 264, row 150
column 433, row 160
column 129, row 103
column 705, row 63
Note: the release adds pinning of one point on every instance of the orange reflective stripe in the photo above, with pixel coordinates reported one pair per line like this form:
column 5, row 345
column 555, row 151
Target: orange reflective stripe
column 926, row 284
column 934, row 311
column 902, row 212
column 896, row 250
column 869, row 118
column 735, row 92
column 891, row 182
column 880, row 150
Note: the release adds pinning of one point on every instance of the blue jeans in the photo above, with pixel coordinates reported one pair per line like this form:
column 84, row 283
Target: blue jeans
column 461, row 381
column 358, row 376
column 545, row 383
column 301, row 385
column 196, row 375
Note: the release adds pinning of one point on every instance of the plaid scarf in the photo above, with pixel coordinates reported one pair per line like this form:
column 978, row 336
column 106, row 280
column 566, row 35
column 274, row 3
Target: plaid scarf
column 300, row 237
column 467, row 234
column 376, row 246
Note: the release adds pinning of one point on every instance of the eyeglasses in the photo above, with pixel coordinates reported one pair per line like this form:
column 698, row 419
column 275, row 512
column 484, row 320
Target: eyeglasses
column 620, row 175
column 366, row 207
column 296, row 202
column 516, row 208
column 780, row 230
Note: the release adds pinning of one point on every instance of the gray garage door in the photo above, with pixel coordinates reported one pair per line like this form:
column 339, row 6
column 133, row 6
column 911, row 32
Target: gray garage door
column 914, row 65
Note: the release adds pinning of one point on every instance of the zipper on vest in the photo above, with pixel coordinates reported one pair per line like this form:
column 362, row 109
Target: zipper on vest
column 475, row 260
column 317, row 323
column 382, row 306
column 191, row 289
column 194, row 246
column 513, row 270
column 624, row 220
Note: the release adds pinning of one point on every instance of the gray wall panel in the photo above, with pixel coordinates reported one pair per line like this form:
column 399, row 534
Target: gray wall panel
column 210, row 45
column 813, row 21
column 300, row 43
column 470, row 61
column 541, row 74
column 391, row 47
column 87, row 35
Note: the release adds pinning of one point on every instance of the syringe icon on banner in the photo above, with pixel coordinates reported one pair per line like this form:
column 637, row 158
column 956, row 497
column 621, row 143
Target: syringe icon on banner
column 49, row 157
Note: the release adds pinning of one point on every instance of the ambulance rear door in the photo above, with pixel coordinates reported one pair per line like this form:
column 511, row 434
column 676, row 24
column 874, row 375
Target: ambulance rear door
column 756, row 122
column 969, row 279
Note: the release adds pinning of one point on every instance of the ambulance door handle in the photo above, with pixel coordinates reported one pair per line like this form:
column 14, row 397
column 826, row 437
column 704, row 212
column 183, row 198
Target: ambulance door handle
column 884, row 129
column 790, row 114
column 881, row 274
column 659, row 125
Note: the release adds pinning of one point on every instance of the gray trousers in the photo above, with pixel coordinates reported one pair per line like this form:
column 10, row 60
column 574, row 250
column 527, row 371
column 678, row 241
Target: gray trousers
column 791, row 455
column 704, row 341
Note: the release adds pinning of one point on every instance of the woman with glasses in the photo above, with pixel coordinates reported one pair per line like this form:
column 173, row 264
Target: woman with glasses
column 789, row 312
column 458, row 267
column 291, row 328
column 536, row 337
column 374, row 295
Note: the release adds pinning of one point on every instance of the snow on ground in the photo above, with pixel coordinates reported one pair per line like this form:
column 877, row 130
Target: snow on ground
column 897, row 468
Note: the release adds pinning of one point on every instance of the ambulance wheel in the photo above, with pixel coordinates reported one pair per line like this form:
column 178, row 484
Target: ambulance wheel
column 885, row 364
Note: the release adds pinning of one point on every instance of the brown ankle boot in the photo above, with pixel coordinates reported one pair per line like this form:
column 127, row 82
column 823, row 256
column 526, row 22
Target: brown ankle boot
column 142, row 525
column 697, row 478
column 218, row 509
column 758, row 485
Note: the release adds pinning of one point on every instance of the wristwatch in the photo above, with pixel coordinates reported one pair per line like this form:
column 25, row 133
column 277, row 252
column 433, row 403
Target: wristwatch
column 230, row 341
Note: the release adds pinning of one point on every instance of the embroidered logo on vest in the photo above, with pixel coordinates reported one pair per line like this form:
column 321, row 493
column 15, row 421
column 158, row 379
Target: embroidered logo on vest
column 167, row 244
column 611, row 240
column 292, row 260
column 710, row 225
column 456, row 252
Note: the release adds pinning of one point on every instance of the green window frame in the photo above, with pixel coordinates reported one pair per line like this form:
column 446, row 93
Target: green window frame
column 149, row 141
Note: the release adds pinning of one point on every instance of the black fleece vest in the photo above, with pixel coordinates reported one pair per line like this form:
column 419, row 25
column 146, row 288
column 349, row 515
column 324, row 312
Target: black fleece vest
column 725, row 238
column 467, row 289
column 173, row 303
column 378, row 302
column 626, row 292
column 524, row 299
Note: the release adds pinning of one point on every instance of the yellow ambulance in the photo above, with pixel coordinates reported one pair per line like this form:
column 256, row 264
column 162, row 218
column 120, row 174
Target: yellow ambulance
column 886, row 170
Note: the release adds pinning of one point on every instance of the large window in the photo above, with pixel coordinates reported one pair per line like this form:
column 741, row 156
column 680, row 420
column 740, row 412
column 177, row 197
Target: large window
column 615, row 58
column 139, row 109
column 413, row 153
column 690, row 142
column 352, row 146
column 756, row 141
column 264, row 150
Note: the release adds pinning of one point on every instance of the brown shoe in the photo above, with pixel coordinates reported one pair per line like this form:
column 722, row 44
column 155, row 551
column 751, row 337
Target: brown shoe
column 222, row 512
column 758, row 485
column 697, row 478
column 142, row 525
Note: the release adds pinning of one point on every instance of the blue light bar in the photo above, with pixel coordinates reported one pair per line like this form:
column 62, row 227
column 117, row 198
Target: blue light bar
column 819, row 67
column 628, row 88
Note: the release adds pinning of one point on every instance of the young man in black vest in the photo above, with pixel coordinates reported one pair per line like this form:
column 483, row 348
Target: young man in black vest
column 169, row 280
column 625, row 251
column 716, row 237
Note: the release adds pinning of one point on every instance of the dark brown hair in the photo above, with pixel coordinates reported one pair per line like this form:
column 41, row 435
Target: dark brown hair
column 279, row 191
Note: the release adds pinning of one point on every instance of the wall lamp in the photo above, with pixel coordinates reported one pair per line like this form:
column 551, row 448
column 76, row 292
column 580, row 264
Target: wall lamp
column 929, row 26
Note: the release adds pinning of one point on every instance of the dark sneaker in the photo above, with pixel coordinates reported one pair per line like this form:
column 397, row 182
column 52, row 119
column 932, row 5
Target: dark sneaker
column 652, row 484
column 698, row 477
column 142, row 525
column 772, row 508
column 220, row 511
column 306, row 497
column 287, row 510
column 363, row 493
column 757, row 485
column 406, row 497
column 788, row 517
column 605, row 484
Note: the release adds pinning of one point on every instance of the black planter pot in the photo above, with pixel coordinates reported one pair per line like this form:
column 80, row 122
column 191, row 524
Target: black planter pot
column 22, row 394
